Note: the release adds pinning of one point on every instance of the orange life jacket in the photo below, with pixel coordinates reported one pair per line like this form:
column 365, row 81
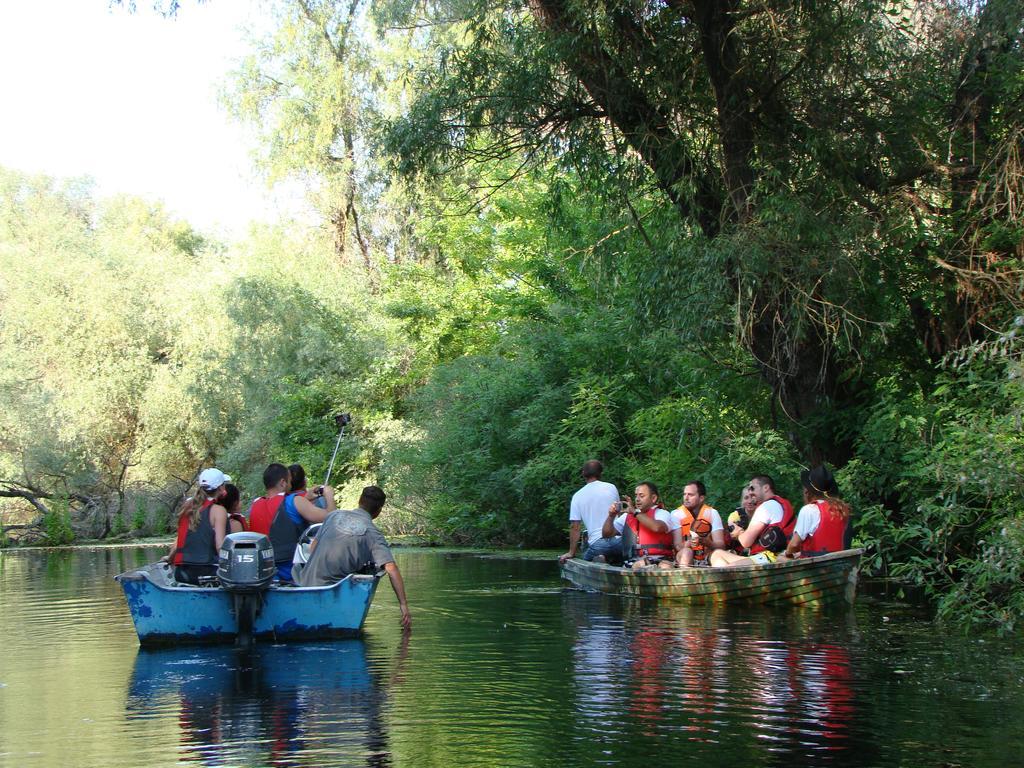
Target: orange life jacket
column 700, row 552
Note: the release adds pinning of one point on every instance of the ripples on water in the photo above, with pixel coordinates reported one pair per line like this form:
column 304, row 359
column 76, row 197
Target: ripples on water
column 504, row 667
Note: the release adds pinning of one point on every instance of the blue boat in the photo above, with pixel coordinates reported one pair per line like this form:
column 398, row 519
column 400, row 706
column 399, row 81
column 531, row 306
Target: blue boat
column 166, row 612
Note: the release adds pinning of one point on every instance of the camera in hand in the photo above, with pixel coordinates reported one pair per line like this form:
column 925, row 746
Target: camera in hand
column 623, row 506
column 738, row 517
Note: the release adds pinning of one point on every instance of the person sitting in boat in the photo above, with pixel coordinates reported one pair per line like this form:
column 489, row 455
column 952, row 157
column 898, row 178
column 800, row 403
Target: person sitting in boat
column 232, row 502
column 822, row 525
column 589, row 506
column 700, row 526
column 299, row 488
column 283, row 516
column 770, row 527
column 277, row 481
column 741, row 517
column 348, row 542
column 657, row 531
column 202, row 526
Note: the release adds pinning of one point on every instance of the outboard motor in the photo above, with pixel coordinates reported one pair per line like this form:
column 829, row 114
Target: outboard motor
column 246, row 562
column 245, row 569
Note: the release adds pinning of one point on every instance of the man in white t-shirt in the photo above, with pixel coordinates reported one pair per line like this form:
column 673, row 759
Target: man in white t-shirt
column 699, row 539
column 768, row 512
column 589, row 506
column 656, row 529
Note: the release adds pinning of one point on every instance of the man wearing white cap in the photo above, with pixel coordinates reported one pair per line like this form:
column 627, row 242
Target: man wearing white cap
column 201, row 529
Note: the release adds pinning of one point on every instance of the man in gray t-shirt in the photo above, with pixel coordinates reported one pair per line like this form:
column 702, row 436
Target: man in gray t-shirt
column 349, row 542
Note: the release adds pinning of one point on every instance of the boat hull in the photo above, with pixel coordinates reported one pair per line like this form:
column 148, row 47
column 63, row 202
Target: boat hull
column 167, row 613
column 830, row 578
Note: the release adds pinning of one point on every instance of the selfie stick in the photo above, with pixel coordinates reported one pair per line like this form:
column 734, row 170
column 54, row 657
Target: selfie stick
column 341, row 420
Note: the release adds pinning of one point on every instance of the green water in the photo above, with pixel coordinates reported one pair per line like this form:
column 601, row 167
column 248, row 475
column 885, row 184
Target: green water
column 504, row 667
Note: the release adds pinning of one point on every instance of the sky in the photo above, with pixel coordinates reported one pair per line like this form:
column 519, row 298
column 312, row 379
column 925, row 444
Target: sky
column 130, row 100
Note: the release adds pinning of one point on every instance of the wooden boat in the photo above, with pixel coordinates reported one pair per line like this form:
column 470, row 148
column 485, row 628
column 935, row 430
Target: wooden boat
column 829, row 578
column 166, row 612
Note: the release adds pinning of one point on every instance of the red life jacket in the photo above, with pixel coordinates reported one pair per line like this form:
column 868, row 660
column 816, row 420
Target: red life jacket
column 197, row 546
column 787, row 524
column 658, row 544
column 239, row 518
column 262, row 511
column 830, row 535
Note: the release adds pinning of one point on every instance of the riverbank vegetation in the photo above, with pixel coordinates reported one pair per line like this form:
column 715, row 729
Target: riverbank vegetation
column 689, row 238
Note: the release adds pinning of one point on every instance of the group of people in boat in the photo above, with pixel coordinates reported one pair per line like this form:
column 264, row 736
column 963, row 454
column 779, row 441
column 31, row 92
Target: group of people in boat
column 764, row 528
column 347, row 541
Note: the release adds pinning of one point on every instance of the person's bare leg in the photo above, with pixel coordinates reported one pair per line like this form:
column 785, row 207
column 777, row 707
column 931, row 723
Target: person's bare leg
column 685, row 557
column 722, row 559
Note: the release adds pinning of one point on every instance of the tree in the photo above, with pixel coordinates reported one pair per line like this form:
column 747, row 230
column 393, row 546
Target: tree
column 309, row 91
column 798, row 144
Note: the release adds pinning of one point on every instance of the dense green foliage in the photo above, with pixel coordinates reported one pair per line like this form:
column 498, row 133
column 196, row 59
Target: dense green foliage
column 693, row 239
column 939, row 481
column 134, row 352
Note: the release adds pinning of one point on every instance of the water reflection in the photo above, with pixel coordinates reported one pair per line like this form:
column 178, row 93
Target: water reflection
column 505, row 668
column 764, row 684
column 272, row 705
